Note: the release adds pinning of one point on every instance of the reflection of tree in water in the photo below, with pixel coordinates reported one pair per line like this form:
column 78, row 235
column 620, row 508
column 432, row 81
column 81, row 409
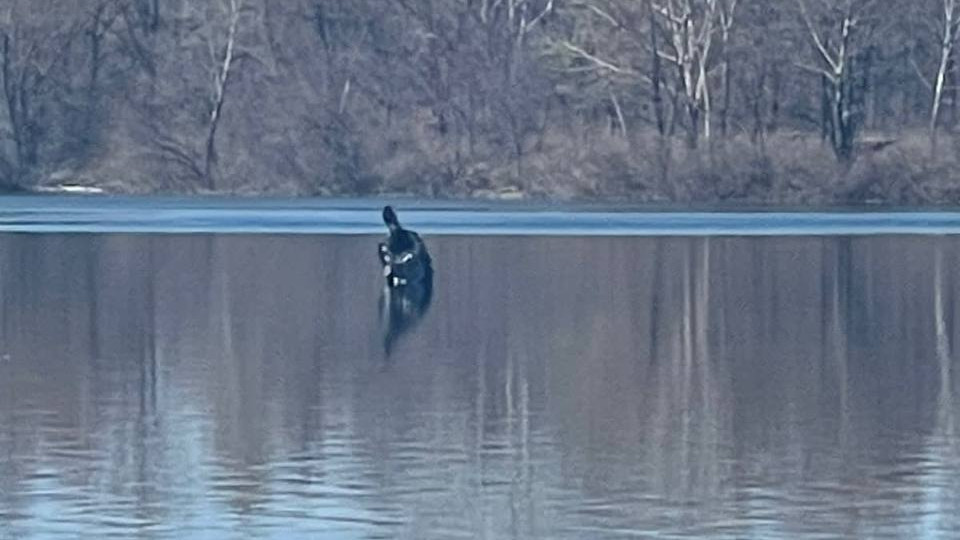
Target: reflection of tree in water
column 644, row 375
column 794, row 358
column 947, row 425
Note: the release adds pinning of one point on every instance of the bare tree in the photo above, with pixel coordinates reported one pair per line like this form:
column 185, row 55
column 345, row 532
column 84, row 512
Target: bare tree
column 148, row 14
column 518, row 20
column 688, row 27
column 222, row 57
column 946, row 28
column 833, row 32
column 462, row 96
column 207, row 46
column 727, row 15
column 30, row 52
column 614, row 50
column 98, row 31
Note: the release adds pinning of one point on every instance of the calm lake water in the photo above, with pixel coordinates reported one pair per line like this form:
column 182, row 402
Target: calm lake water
column 236, row 386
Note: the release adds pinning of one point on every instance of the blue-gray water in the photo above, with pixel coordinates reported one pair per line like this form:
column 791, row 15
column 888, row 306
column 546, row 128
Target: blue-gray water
column 235, row 386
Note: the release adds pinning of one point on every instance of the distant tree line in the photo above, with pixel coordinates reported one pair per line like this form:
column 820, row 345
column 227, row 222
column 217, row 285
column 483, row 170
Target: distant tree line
column 767, row 100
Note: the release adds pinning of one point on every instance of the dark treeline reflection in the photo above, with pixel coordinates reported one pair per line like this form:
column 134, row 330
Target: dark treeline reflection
column 169, row 386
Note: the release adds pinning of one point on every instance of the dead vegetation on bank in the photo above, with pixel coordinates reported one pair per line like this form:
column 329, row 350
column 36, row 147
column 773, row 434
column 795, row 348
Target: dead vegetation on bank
column 774, row 102
column 784, row 170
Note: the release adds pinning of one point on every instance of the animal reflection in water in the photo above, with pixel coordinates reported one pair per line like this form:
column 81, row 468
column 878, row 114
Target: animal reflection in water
column 408, row 280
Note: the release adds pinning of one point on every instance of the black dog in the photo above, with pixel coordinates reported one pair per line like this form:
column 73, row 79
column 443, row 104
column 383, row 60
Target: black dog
column 403, row 255
column 408, row 290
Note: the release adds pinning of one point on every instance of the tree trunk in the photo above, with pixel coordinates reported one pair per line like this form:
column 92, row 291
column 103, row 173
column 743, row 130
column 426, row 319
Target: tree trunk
column 693, row 133
column 97, row 33
column 705, row 102
column 824, row 109
column 10, row 99
column 210, row 158
column 757, row 106
column 725, row 113
column 655, row 78
column 842, row 129
column 219, row 96
column 775, row 87
column 946, row 50
column 952, row 92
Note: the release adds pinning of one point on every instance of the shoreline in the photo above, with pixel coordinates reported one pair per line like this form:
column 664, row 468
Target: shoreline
column 788, row 170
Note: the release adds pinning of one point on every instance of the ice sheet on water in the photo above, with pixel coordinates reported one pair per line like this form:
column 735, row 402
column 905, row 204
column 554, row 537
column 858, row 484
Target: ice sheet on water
column 362, row 216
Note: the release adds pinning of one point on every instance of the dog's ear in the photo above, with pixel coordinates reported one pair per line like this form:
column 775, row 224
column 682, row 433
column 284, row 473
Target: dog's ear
column 390, row 217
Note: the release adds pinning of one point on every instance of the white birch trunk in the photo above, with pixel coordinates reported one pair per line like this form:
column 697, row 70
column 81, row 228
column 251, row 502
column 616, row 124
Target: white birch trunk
column 946, row 50
column 221, row 76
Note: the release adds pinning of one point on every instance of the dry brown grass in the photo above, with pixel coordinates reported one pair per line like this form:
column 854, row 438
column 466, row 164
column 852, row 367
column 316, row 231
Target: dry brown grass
column 787, row 169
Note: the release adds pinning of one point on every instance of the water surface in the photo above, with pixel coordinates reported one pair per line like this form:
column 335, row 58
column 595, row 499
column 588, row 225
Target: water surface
column 210, row 386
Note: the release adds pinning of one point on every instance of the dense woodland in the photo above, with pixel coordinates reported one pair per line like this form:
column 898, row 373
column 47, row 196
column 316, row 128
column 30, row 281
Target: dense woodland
column 764, row 101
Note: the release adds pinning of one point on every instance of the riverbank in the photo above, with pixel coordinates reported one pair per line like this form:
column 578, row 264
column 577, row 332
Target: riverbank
column 786, row 170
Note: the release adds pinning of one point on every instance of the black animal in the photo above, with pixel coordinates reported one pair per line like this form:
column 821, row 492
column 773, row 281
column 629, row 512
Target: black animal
column 408, row 271
column 403, row 254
